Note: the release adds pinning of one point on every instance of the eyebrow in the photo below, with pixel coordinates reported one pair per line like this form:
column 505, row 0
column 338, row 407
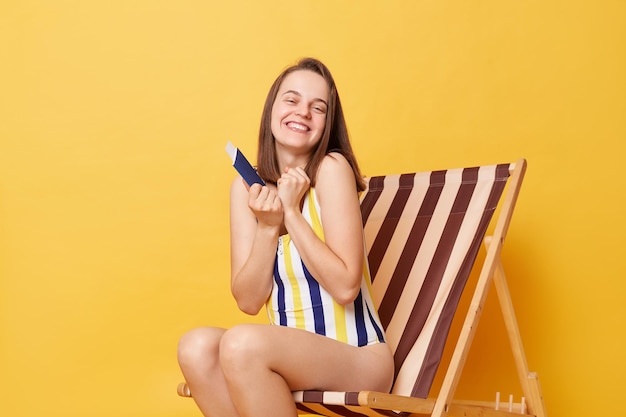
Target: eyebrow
column 300, row 95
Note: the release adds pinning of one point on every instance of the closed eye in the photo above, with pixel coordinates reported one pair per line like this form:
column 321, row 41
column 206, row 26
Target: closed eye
column 291, row 96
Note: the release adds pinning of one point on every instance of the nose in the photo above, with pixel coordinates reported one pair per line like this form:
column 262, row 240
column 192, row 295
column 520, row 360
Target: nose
column 303, row 111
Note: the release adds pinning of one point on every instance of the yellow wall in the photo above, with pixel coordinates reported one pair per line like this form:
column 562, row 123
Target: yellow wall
column 114, row 182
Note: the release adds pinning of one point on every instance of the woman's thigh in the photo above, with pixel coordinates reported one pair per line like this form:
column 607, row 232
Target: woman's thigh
column 309, row 361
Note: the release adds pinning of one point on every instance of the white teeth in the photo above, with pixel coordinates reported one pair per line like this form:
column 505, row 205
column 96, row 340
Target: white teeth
column 297, row 126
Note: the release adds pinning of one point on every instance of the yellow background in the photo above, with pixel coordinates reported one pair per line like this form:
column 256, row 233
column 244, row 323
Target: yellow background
column 114, row 182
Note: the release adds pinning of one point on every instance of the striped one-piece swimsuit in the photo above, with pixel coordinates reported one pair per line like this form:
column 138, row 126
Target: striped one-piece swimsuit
column 298, row 300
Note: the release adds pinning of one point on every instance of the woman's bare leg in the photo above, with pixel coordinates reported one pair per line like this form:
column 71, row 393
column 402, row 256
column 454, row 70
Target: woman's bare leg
column 198, row 357
column 262, row 364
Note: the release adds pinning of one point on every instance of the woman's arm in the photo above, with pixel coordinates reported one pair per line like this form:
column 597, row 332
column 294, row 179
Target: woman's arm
column 255, row 219
column 337, row 263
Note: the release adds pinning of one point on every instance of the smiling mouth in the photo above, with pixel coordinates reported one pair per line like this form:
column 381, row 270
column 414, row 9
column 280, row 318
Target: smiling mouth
column 298, row 127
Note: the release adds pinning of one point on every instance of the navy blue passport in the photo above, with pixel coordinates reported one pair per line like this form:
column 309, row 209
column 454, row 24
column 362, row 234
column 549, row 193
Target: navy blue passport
column 243, row 166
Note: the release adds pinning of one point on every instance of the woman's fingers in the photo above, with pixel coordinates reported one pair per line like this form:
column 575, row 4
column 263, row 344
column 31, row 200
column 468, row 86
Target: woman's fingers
column 263, row 199
column 298, row 174
column 295, row 179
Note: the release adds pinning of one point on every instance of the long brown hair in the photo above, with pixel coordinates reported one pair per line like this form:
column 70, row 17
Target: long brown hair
column 334, row 138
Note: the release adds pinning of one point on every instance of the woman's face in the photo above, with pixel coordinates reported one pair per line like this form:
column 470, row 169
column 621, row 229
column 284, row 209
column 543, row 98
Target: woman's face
column 299, row 112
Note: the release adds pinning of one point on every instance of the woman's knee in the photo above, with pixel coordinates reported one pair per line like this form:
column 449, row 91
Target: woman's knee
column 241, row 347
column 199, row 346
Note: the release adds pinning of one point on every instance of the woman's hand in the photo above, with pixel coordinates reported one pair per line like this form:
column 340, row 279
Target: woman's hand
column 292, row 186
column 266, row 205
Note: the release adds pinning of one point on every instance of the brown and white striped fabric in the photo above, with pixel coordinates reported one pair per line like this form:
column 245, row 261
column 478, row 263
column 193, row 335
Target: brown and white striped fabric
column 332, row 404
column 422, row 232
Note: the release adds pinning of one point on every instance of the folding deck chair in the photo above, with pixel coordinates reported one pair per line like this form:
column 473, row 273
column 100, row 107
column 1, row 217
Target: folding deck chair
column 423, row 232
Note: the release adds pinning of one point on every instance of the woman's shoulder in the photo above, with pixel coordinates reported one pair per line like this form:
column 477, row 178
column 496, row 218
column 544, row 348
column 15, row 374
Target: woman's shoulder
column 334, row 162
column 335, row 173
column 237, row 188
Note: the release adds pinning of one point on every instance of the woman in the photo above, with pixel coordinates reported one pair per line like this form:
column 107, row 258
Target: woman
column 296, row 247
